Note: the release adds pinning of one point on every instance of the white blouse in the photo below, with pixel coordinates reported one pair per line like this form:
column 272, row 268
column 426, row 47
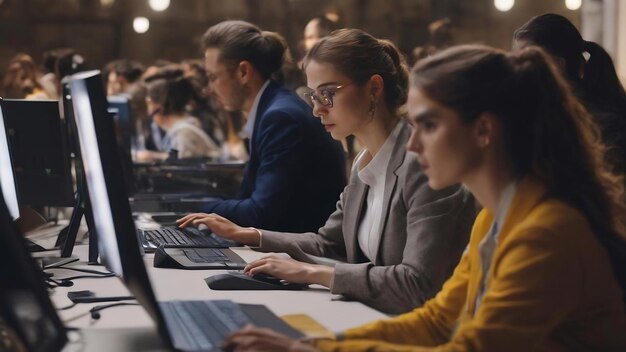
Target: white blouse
column 374, row 175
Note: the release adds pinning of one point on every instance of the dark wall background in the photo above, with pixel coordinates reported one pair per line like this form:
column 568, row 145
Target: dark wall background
column 101, row 30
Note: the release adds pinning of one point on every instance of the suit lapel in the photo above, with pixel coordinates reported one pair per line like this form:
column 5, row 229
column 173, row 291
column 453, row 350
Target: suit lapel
column 529, row 193
column 355, row 198
column 268, row 95
column 391, row 181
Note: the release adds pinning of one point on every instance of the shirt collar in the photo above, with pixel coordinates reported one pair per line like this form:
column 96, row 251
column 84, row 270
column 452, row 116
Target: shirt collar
column 371, row 173
column 505, row 203
column 246, row 131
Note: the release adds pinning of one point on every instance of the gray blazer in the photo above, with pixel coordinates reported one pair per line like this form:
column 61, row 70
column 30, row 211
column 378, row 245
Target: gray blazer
column 424, row 233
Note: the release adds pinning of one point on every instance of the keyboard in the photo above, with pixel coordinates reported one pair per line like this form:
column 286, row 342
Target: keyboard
column 206, row 255
column 202, row 325
column 187, row 237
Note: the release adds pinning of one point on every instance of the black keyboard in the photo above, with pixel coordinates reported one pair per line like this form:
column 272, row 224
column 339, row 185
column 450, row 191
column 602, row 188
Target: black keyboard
column 202, row 325
column 187, row 237
column 205, row 255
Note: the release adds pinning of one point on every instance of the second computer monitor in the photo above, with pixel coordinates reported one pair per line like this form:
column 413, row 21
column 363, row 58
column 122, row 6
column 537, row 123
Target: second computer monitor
column 39, row 152
column 24, row 303
column 117, row 238
column 7, row 176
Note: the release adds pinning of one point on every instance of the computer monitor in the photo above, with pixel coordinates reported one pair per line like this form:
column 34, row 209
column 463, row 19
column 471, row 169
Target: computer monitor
column 83, row 201
column 7, row 176
column 118, row 243
column 117, row 237
column 119, row 107
column 40, row 160
column 24, row 303
column 39, row 152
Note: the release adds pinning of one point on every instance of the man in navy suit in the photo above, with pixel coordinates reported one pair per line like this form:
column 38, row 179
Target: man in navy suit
column 296, row 171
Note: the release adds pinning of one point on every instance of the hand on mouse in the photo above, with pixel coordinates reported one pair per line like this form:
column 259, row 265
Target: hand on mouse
column 291, row 270
column 252, row 338
column 222, row 227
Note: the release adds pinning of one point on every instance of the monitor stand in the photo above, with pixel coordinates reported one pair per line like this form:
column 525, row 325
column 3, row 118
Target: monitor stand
column 67, row 237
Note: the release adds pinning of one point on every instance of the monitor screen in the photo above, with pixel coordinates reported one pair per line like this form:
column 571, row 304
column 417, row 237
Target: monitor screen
column 117, row 237
column 7, row 178
column 39, row 152
column 119, row 107
column 24, row 303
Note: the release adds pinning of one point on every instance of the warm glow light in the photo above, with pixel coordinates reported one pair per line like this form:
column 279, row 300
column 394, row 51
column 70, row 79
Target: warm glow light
column 159, row 5
column 141, row 24
column 107, row 2
column 573, row 4
column 503, row 5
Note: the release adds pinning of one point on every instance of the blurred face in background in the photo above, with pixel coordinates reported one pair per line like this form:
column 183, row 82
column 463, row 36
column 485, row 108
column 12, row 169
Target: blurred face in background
column 223, row 84
column 19, row 81
column 116, row 84
column 311, row 34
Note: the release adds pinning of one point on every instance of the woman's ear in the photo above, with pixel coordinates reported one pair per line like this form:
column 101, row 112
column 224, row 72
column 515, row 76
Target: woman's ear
column 376, row 85
column 485, row 129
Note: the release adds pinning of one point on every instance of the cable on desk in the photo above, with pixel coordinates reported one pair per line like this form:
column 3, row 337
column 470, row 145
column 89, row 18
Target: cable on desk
column 88, row 271
column 67, row 307
column 88, row 277
column 67, row 282
column 95, row 311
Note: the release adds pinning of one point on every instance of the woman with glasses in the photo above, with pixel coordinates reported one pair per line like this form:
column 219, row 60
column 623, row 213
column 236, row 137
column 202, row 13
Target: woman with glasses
column 394, row 239
column 546, row 260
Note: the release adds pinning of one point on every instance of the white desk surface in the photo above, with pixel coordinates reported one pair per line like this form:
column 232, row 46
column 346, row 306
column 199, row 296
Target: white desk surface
column 119, row 326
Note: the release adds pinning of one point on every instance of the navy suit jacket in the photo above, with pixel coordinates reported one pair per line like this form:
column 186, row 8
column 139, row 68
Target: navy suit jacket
column 296, row 171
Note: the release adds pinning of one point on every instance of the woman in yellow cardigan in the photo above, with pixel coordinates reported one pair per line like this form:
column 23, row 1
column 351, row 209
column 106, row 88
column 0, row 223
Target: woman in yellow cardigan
column 545, row 262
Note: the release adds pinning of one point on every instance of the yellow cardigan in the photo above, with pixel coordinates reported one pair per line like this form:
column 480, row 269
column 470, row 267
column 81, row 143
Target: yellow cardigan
column 551, row 288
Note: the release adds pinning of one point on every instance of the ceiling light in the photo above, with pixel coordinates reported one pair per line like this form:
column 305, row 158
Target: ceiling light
column 573, row 4
column 141, row 24
column 159, row 5
column 504, row 5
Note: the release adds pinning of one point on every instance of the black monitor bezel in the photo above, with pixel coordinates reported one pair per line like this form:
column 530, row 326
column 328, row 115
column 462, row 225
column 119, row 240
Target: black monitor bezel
column 90, row 104
column 29, row 118
column 15, row 212
column 14, row 251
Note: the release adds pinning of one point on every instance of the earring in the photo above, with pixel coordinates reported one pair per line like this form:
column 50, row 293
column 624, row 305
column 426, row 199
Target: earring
column 372, row 109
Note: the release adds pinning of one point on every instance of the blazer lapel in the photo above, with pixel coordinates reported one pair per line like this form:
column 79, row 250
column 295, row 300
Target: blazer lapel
column 528, row 194
column 264, row 103
column 391, row 181
column 353, row 207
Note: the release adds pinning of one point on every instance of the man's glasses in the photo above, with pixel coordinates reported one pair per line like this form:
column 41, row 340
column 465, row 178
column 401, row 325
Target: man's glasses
column 212, row 77
column 324, row 96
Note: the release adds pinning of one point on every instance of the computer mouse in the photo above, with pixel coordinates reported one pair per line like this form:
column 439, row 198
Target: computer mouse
column 241, row 281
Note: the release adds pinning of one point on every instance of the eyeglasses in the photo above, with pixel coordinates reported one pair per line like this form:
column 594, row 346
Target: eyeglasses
column 324, row 96
column 212, row 77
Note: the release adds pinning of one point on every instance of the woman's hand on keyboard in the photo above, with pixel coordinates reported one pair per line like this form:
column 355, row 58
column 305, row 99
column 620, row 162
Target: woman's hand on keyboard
column 252, row 338
column 222, row 227
column 291, row 270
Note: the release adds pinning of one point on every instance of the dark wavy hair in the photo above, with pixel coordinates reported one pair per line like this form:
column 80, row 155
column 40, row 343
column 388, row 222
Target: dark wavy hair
column 549, row 134
column 171, row 89
column 600, row 84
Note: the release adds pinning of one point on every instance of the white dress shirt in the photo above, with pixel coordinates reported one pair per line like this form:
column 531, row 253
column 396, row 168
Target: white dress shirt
column 248, row 128
column 374, row 175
